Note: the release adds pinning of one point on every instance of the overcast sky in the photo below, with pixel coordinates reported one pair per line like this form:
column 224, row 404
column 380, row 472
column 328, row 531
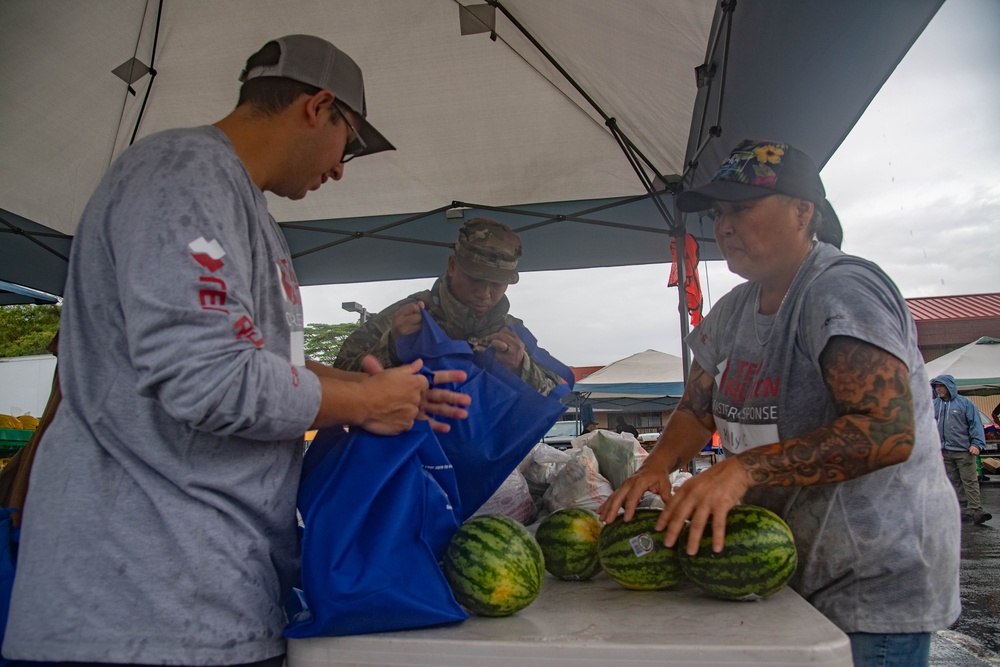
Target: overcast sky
column 916, row 186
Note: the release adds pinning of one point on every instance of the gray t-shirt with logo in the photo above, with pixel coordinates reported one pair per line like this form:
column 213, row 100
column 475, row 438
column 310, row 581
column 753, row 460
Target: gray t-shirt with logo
column 160, row 524
column 878, row 553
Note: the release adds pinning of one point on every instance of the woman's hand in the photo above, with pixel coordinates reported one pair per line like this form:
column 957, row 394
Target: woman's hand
column 708, row 495
column 646, row 478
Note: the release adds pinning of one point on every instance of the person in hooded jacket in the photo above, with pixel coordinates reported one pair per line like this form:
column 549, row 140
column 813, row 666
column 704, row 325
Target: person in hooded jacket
column 962, row 439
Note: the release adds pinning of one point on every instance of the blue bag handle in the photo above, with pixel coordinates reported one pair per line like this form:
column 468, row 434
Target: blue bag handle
column 507, row 416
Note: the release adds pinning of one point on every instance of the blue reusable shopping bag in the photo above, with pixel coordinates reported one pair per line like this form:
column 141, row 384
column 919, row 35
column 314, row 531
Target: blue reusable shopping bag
column 7, row 567
column 507, row 416
column 378, row 514
column 379, row 510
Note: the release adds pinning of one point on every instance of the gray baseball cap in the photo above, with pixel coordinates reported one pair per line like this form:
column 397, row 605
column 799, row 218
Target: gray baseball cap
column 317, row 62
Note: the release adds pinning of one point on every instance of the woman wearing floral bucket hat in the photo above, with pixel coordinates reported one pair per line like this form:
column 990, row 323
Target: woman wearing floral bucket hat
column 810, row 374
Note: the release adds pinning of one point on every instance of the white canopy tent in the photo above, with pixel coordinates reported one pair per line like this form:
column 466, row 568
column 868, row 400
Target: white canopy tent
column 574, row 121
column 646, row 381
column 507, row 110
column 975, row 367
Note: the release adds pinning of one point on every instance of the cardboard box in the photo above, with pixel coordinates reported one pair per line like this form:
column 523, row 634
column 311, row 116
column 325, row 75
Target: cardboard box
column 990, row 466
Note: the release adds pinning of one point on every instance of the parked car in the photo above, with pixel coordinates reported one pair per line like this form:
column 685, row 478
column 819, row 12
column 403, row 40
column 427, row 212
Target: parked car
column 561, row 434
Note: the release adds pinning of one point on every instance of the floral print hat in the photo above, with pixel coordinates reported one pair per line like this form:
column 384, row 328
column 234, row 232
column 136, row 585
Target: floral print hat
column 760, row 168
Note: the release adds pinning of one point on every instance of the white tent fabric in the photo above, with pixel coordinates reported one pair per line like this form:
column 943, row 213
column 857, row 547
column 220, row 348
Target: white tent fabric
column 472, row 119
column 975, row 367
column 642, row 375
column 489, row 123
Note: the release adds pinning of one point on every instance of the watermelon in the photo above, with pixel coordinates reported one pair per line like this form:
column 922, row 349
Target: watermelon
column 757, row 560
column 494, row 566
column 568, row 538
column 633, row 554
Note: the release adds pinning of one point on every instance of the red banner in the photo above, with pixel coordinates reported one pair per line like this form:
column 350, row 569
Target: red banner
column 692, row 284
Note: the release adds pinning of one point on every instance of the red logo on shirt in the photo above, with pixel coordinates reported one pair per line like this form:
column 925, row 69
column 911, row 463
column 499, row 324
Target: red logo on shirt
column 245, row 328
column 289, row 286
column 208, row 254
column 739, row 381
column 215, row 297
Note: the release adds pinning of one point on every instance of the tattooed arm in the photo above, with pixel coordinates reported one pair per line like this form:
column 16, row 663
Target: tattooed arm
column 874, row 428
column 688, row 429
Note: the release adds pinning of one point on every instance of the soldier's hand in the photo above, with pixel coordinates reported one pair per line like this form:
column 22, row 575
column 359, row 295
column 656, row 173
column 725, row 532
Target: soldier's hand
column 408, row 319
column 510, row 348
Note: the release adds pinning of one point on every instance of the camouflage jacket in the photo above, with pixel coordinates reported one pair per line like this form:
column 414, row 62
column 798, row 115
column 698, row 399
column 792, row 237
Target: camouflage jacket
column 456, row 320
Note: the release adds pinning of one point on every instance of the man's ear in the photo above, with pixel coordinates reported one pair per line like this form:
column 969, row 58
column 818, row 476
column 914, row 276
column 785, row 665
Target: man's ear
column 319, row 107
column 452, row 265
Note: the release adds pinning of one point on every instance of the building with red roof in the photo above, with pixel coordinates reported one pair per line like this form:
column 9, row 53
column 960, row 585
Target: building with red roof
column 946, row 323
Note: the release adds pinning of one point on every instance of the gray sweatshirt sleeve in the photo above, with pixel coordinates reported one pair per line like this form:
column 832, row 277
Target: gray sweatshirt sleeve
column 209, row 316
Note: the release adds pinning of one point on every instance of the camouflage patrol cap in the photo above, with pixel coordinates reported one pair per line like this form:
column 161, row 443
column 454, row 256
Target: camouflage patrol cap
column 488, row 250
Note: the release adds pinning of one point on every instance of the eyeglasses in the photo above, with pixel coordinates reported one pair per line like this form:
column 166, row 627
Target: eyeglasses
column 355, row 146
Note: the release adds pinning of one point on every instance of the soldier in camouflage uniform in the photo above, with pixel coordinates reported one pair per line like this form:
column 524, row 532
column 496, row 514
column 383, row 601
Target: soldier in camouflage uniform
column 468, row 303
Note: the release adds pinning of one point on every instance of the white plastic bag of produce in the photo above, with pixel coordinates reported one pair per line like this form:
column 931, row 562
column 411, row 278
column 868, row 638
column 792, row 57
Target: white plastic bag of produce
column 540, row 467
column 578, row 483
column 677, row 478
column 651, row 500
column 618, row 454
column 512, row 499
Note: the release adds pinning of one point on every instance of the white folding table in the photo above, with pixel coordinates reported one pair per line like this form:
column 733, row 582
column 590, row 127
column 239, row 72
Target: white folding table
column 574, row 624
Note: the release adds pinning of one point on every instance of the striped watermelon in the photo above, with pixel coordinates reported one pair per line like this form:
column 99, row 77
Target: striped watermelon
column 758, row 558
column 634, row 556
column 493, row 565
column 568, row 538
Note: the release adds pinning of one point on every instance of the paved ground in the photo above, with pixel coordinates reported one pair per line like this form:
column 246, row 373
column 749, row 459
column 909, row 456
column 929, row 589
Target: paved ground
column 974, row 640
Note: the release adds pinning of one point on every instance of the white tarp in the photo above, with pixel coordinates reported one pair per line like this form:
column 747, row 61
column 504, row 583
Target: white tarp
column 25, row 384
column 476, row 120
column 975, row 366
column 472, row 119
column 649, row 373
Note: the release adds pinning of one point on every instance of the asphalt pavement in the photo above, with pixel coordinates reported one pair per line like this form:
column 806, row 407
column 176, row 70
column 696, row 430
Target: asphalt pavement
column 974, row 640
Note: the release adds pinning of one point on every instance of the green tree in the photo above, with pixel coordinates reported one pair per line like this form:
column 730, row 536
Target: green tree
column 26, row 330
column 323, row 341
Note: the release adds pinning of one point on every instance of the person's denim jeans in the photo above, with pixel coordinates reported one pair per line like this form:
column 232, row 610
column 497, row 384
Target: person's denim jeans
column 890, row 650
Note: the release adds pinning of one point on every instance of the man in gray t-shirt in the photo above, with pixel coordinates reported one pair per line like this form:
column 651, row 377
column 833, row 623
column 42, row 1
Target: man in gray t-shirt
column 160, row 524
